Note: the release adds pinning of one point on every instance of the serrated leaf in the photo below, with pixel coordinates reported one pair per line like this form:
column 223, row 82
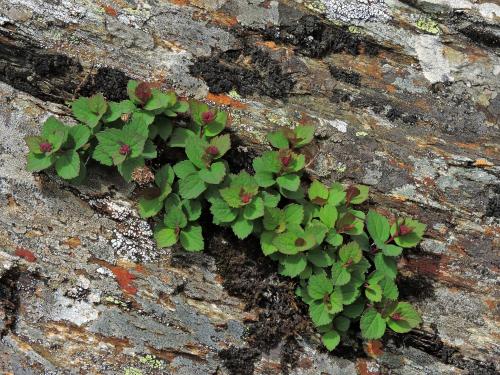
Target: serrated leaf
column 333, row 238
column 350, row 253
column 160, row 100
column 195, row 151
column 340, row 275
column 271, row 198
column 128, row 166
column 191, row 238
column 372, row 324
column 265, row 179
column 286, row 243
column 318, row 286
column 254, row 209
column 214, row 174
column 336, row 194
column 293, row 265
column 33, row 144
column 362, row 195
column 408, row 318
column 192, row 208
column 164, row 176
column 272, row 218
column 304, row 135
column 217, row 125
column 175, row 218
column 331, row 339
column 349, row 292
column 378, row 226
column 269, row 162
column 328, row 215
column 79, row 136
column 373, row 292
column 289, row 182
column 319, row 313
column 341, row 323
column 278, row 139
column 386, row 265
column 150, row 207
column 293, row 213
column 389, row 250
column 223, row 144
column 191, row 187
column 165, row 237
column 317, row 192
column 180, row 137
column 354, row 309
column 222, row 212
column 266, row 243
column 68, row 165
column 335, row 303
column 320, row 258
column 39, row 162
column 242, row 227
column 89, row 110
column 389, row 289
column 412, row 239
column 184, row 168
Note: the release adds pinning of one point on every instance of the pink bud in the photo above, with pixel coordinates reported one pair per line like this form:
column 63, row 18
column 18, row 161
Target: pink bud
column 45, row 147
column 124, row 149
column 404, row 230
column 285, row 160
column 207, row 117
column 212, row 150
column 396, row 316
column 246, row 198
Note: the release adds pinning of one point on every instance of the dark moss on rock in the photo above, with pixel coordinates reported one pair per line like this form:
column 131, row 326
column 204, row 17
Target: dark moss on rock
column 112, row 83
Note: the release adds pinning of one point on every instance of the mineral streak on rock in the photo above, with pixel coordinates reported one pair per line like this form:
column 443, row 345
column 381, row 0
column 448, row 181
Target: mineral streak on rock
column 413, row 114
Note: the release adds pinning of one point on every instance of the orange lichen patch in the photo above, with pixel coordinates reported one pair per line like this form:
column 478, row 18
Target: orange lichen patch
column 391, row 89
column 268, row 44
column 491, row 231
column 492, row 304
column 222, row 99
column 110, row 11
column 483, row 163
column 124, row 279
column 364, row 368
column 180, row 2
column 73, row 242
column 224, row 19
column 374, row 348
column 25, row 254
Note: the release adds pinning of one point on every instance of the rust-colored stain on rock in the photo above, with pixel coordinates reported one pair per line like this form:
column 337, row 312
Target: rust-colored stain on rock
column 124, row 279
column 25, row 254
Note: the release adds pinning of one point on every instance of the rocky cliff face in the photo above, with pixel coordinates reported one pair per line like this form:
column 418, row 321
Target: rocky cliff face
column 405, row 99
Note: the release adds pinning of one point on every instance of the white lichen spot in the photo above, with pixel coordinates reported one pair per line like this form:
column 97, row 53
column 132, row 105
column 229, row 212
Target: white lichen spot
column 357, row 10
column 74, row 311
column 435, row 66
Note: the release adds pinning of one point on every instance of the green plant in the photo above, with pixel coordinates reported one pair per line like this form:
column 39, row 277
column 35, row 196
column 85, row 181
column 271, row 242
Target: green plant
column 345, row 261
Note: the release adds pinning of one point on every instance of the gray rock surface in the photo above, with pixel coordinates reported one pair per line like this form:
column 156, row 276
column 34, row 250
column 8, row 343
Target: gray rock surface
column 408, row 110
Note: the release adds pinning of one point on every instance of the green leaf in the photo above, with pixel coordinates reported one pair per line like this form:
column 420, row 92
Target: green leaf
column 373, row 292
column 278, row 139
column 386, row 265
column 287, row 243
column 289, row 182
column 362, row 196
column 192, row 208
column 320, row 258
column 269, row 162
column 317, row 192
column 331, row 339
column 265, row 179
column 266, row 243
column 217, row 125
column 214, row 174
column 222, row 212
column 318, row 286
column 184, row 168
column 355, row 309
column 160, row 100
column 319, row 313
column 90, row 110
column 191, row 187
column 131, row 87
column 150, row 207
column 79, row 135
column 175, row 218
column 116, row 110
column 33, row 144
column 191, row 238
column 231, row 195
column 272, row 218
column 389, row 250
column 254, row 209
column 334, row 239
column 180, row 137
column 165, row 237
column 242, row 227
column 294, row 213
column 328, row 215
column 223, row 144
column 340, row 275
column 195, row 151
column 372, row 324
column 350, row 253
column 336, row 195
column 149, row 151
column 68, row 165
column 39, row 162
column 378, row 226
column 335, row 304
column 164, row 176
column 389, row 289
column 271, row 198
column 293, row 265
column 407, row 320
column 341, row 323
column 349, row 292
column 304, row 135
column 161, row 126
column 412, row 239
column 181, row 107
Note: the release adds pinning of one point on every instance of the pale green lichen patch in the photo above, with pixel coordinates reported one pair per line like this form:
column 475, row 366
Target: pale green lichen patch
column 428, row 25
